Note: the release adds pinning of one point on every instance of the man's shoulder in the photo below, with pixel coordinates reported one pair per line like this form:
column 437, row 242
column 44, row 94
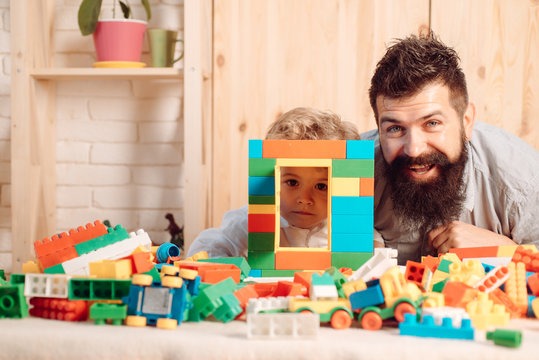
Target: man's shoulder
column 369, row 135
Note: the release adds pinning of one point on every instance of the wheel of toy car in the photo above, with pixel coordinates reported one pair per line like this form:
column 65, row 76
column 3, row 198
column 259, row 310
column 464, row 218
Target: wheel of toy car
column 172, row 282
column 340, row 320
column 371, row 320
column 404, row 308
column 142, row 279
column 169, row 270
column 166, row 323
column 134, row 320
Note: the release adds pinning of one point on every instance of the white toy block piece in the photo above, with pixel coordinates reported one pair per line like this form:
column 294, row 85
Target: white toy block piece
column 323, row 292
column 493, row 279
column 282, row 325
column 46, row 285
column 439, row 313
column 492, row 261
column 383, row 259
column 118, row 250
column 268, row 279
column 267, row 304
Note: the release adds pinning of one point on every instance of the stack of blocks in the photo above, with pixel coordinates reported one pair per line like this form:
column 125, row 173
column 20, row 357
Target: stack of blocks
column 350, row 166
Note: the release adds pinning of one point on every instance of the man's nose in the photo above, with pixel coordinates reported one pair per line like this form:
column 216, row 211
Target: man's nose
column 415, row 143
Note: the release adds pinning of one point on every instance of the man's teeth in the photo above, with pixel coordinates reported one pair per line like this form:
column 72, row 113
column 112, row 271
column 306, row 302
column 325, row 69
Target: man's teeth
column 420, row 169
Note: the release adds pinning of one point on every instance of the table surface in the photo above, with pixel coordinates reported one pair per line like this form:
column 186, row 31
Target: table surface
column 36, row 338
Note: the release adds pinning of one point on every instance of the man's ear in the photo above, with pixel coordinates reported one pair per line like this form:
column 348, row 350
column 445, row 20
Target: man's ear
column 468, row 121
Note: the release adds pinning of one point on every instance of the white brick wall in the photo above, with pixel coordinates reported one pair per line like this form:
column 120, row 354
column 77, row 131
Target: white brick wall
column 119, row 146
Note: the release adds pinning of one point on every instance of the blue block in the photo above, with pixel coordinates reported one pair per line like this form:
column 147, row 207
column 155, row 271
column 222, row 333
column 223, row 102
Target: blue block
column 410, row 326
column 352, row 242
column 530, row 312
column 487, row 267
column 352, row 205
column 360, row 149
column 255, row 273
column 255, row 149
column 352, row 224
column 261, row 185
column 324, row 279
column 370, row 296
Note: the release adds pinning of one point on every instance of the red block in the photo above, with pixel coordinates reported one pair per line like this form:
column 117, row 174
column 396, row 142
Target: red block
column 59, row 309
column 414, row 272
column 261, row 223
column 475, row 252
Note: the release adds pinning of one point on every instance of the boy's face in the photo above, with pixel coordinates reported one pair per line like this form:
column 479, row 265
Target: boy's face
column 304, row 195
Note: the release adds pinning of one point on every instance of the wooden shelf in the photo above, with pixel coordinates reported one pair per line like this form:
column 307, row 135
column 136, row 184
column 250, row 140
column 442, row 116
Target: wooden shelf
column 106, row 73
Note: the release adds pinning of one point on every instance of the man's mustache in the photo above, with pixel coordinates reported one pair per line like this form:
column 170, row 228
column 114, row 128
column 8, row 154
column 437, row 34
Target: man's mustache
column 433, row 158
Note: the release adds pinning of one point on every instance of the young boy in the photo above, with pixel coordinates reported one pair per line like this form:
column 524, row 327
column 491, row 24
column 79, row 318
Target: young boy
column 304, row 193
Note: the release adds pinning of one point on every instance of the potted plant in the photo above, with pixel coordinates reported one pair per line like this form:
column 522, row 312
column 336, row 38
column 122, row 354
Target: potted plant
column 114, row 39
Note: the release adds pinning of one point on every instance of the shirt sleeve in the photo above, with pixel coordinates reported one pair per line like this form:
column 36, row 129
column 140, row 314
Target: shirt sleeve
column 228, row 240
column 523, row 219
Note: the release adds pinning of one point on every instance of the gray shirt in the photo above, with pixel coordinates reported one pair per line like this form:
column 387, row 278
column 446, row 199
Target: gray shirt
column 502, row 192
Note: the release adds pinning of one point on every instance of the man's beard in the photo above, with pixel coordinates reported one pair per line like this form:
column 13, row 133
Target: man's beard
column 423, row 205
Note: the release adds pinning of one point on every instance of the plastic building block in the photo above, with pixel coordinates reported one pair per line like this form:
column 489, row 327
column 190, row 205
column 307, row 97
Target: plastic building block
column 46, row 285
column 529, row 257
column 410, row 326
column 342, row 186
column 17, row 279
column 31, row 267
column 59, row 309
column 458, row 294
column 255, row 149
column 166, row 250
column 355, row 242
column 415, row 272
column 396, row 287
column 433, row 300
column 261, row 185
column 351, row 287
column 12, row 301
column 2, row 275
column 267, row 304
column 102, row 312
column 262, row 199
column 446, row 312
column 261, row 167
column 383, row 259
column 499, row 297
column 240, row 262
column 261, row 241
column 336, row 312
column 352, row 205
column 359, row 149
column 338, row 279
column 210, row 272
column 261, row 222
column 469, row 271
column 140, row 262
column 304, row 149
column 533, row 284
column 263, row 260
column 111, row 269
column 209, row 298
column 229, row 308
column 361, row 168
column 484, row 313
column 282, row 325
column 318, row 259
column 366, row 187
column 112, row 236
column 245, row 294
column 372, row 295
column 515, row 287
column 288, row 288
column 505, row 337
column 98, row 289
column 475, row 252
column 494, row 279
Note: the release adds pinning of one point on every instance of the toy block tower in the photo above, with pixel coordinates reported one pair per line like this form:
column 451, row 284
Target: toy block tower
column 350, row 165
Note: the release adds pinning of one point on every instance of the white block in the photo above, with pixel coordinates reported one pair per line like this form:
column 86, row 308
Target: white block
column 383, row 259
column 267, row 303
column 47, row 285
column 323, row 292
column 439, row 313
column 282, row 325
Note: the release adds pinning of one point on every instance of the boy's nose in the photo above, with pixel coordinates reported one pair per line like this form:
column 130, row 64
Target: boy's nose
column 415, row 144
column 305, row 198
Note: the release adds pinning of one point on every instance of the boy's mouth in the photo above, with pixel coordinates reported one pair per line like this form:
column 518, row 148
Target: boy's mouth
column 300, row 212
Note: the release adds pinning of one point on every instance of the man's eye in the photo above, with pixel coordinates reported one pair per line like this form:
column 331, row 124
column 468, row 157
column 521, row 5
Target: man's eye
column 432, row 123
column 321, row 187
column 393, row 129
column 291, row 182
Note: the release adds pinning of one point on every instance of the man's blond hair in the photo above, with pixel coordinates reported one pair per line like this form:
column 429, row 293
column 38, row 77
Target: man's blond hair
column 305, row 123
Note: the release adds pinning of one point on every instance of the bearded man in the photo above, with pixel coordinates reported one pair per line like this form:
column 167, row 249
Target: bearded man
column 443, row 180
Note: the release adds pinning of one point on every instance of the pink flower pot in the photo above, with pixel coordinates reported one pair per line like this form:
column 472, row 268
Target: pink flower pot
column 119, row 39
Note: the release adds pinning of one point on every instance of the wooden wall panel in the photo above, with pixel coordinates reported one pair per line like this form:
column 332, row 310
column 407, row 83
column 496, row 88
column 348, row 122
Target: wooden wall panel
column 271, row 56
column 498, row 44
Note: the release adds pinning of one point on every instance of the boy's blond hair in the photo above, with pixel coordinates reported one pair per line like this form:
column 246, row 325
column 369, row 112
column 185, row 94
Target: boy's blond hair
column 305, row 123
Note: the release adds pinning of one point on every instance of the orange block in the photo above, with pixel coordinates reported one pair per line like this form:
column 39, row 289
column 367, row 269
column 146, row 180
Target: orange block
column 533, row 283
column 366, row 186
column 499, row 297
column 431, row 262
column 265, row 289
column 528, row 257
column 289, row 288
column 140, row 262
column 475, row 252
column 58, row 257
column 243, row 295
column 458, row 294
column 304, row 149
column 212, row 273
column 302, row 260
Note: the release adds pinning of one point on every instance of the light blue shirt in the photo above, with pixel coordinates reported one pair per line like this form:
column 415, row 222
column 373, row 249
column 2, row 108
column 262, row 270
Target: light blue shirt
column 502, row 192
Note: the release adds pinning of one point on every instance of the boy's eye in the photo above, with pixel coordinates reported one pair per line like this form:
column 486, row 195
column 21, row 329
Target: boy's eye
column 321, row 187
column 291, row 182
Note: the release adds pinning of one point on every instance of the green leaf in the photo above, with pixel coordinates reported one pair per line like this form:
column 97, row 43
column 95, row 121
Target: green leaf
column 126, row 10
column 146, row 5
column 88, row 14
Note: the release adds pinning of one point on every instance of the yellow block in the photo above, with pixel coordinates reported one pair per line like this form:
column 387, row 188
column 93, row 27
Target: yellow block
column 31, row 267
column 509, row 250
column 434, row 299
column 318, row 306
column 344, row 186
column 484, row 313
column 353, row 286
column 261, row 209
column 112, row 269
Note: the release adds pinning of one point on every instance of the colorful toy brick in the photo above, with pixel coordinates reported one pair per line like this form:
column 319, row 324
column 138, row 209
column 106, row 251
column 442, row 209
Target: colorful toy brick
column 372, row 295
column 350, row 166
column 267, row 304
column 336, row 312
column 505, row 337
column 101, row 313
column 484, row 313
column 494, row 279
column 59, row 309
column 528, row 256
column 500, row 297
column 46, row 285
column 469, row 272
column 209, row 298
column 12, row 301
column 166, row 250
column 446, row 312
column 515, row 287
column 383, row 259
column 111, row 269
column 229, row 309
column 98, row 289
column 283, row 325
column 427, row 328
column 458, row 294
column 211, row 272
column 395, row 287
column 322, row 288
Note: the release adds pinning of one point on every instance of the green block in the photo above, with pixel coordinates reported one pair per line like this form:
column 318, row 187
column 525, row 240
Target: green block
column 352, row 260
column 444, row 265
column 261, row 167
column 261, row 199
column 98, row 289
column 101, row 312
column 439, row 286
column 114, row 235
column 17, row 279
column 12, row 301
column 154, row 273
column 264, row 260
column 338, row 279
column 278, row 273
column 56, row 269
column 209, row 298
column 240, row 262
column 257, row 241
column 229, row 309
column 2, row 275
column 360, row 168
